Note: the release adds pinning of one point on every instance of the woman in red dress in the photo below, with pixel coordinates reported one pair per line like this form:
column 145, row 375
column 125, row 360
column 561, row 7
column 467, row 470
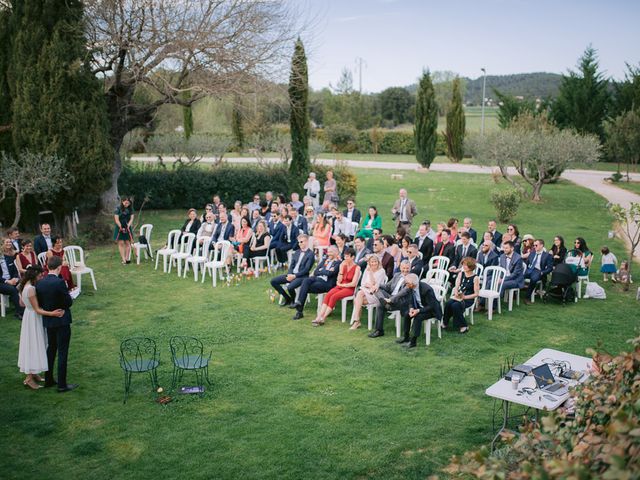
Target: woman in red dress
column 345, row 287
column 26, row 257
column 58, row 251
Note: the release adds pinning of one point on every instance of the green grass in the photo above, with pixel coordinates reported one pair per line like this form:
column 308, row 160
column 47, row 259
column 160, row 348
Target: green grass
column 289, row 400
column 631, row 186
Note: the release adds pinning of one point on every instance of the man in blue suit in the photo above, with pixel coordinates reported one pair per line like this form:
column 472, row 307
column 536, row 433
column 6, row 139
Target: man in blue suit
column 299, row 269
column 539, row 266
column 323, row 279
column 285, row 239
column 496, row 235
column 53, row 294
column 512, row 263
column 299, row 221
column 224, row 229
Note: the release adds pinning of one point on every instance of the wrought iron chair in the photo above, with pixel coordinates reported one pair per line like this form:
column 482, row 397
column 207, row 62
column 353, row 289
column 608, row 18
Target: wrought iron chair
column 187, row 353
column 139, row 355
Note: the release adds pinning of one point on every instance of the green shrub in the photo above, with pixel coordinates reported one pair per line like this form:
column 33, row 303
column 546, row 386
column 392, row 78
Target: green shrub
column 602, row 440
column 506, row 203
column 192, row 187
column 397, row 142
column 342, row 138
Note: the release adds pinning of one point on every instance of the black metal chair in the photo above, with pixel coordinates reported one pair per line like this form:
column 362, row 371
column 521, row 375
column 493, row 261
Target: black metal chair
column 139, row 355
column 187, row 353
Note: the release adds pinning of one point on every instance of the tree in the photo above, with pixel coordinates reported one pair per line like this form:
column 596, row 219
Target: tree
column 454, row 134
column 5, row 97
column 509, row 108
column 57, row 104
column 31, row 174
column 209, row 47
column 583, row 100
column 299, row 118
column 628, row 220
column 627, row 92
column 395, row 105
column 187, row 116
column 236, row 125
column 537, row 150
column 623, row 139
column 426, row 122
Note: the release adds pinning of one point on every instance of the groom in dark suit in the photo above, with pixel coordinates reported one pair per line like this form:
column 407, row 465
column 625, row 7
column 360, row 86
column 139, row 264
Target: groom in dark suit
column 52, row 294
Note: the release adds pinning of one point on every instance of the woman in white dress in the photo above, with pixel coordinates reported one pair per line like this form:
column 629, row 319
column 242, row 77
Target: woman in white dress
column 374, row 276
column 32, row 354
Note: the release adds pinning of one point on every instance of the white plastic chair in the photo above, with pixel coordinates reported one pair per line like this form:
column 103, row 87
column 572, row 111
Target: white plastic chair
column 508, row 297
column 184, row 251
column 355, row 226
column 257, row 263
column 42, row 259
column 4, row 300
column 490, row 290
column 478, row 270
column 75, row 259
column 440, row 262
column 218, row 262
column 199, row 258
column 173, row 239
column 145, row 231
column 437, row 276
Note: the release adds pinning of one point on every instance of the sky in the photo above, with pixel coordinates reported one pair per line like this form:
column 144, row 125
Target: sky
column 397, row 39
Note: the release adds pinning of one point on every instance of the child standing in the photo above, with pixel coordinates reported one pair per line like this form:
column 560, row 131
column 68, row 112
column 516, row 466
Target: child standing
column 609, row 263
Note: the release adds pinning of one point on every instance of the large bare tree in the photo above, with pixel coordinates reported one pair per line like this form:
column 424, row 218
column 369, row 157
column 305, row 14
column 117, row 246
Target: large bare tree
column 166, row 47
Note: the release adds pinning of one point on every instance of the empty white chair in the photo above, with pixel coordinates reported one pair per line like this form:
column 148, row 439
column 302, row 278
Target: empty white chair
column 42, row 259
column 145, row 231
column 508, row 297
column 490, row 290
column 437, row 276
column 75, row 259
column 184, row 251
column 199, row 258
column 440, row 262
column 173, row 239
column 4, row 300
column 218, row 262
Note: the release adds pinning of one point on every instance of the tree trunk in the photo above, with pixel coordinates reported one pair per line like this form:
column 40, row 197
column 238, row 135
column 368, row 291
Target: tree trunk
column 535, row 196
column 109, row 199
column 18, row 210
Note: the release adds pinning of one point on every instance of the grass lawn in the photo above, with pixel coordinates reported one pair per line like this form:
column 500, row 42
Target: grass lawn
column 289, row 400
column 631, row 186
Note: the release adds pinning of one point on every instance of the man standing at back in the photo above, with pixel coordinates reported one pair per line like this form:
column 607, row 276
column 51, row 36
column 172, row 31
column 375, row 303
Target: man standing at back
column 53, row 294
column 403, row 211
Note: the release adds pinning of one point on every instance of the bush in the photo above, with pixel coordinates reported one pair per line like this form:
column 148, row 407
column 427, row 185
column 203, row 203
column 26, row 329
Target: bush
column 193, row 187
column 601, row 441
column 342, row 138
column 506, row 203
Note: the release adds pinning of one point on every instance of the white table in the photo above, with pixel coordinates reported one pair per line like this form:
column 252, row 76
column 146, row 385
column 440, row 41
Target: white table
column 503, row 389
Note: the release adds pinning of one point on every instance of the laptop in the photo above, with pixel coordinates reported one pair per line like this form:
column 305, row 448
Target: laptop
column 546, row 382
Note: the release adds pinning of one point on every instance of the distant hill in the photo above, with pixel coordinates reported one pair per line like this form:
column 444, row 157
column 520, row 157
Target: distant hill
column 528, row 85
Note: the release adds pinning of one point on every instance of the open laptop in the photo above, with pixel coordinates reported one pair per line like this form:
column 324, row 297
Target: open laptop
column 546, row 382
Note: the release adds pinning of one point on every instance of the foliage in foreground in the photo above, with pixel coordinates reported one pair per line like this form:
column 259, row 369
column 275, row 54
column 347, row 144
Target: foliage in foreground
column 602, row 441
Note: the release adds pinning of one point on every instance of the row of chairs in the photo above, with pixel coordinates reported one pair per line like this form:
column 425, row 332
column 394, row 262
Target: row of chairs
column 141, row 355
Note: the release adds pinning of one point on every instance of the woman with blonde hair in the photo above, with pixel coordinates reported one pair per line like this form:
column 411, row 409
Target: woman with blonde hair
column 374, row 276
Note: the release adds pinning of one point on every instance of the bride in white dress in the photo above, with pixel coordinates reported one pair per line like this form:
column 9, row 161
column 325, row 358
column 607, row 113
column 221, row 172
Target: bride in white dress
column 32, row 354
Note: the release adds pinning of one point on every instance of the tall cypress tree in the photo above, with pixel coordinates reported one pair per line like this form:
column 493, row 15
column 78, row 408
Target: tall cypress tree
column 456, row 125
column 58, row 106
column 236, row 125
column 426, row 122
column 299, row 118
column 583, row 100
column 5, row 97
column 187, row 116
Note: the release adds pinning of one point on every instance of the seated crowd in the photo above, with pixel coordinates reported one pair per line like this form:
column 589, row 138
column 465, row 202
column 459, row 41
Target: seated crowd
column 355, row 259
column 18, row 253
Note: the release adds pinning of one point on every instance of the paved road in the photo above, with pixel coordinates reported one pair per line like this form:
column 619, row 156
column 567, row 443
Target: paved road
column 591, row 179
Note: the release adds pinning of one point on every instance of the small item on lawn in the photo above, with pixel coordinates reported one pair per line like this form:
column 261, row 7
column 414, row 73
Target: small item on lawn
column 191, row 390
column 160, row 390
column 164, row 399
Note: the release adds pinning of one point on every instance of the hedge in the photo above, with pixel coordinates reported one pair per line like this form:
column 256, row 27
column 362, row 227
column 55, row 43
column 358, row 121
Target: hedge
column 346, row 139
column 193, row 187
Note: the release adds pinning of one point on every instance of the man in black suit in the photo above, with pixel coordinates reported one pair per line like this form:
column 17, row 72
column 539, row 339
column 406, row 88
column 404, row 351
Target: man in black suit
column 424, row 243
column 444, row 248
column 497, row 236
column 42, row 242
column 423, row 305
column 53, row 294
column 14, row 236
column 414, row 260
column 9, row 279
column 389, row 297
column 323, row 279
column 299, row 269
column 466, row 227
column 351, row 212
column 362, row 252
column 377, row 233
column 463, row 250
column 540, row 264
column 285, row 239
column 386, row 260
